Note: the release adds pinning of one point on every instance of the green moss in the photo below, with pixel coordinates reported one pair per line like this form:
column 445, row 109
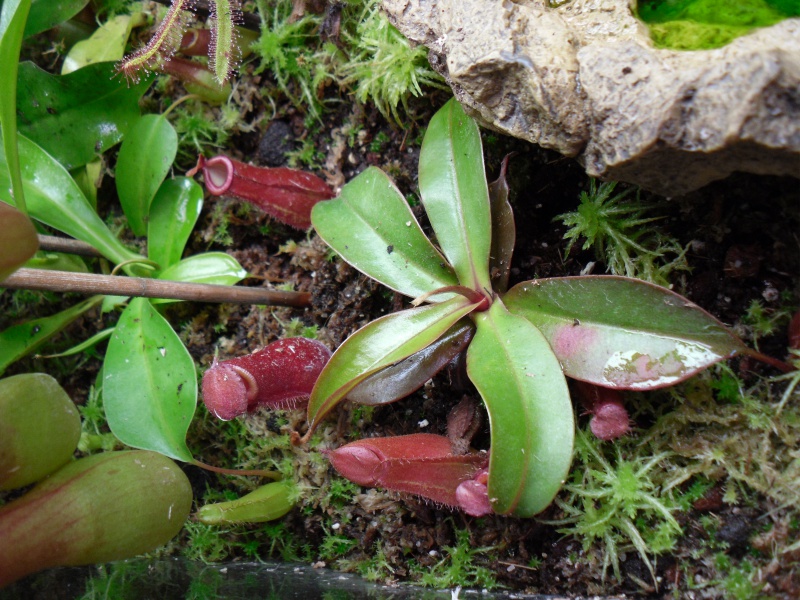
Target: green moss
column 341, row 491
column 200, row 131
column 738, row 581
column 306, row 156
column 705, row 24
column 382, row 67
column 28, row 301
column 372, row 60
column 748, row 444
column 117, row 580
column 376, row 568
column 207, row 543
column 618, row 503
column 335, row 545
column 221, row 219
column 762, row 322
column 287, row 51
column 379, row 142
column 622, row 233
column 458, row 566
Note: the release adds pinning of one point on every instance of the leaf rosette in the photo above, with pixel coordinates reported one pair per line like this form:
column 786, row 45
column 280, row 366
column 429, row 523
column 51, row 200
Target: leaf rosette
column 614, row 332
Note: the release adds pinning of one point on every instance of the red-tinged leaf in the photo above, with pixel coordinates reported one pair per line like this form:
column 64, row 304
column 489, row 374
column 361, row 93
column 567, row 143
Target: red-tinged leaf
column 504, row 231
column 197, row 79
column 453, row 187
column 530, row 412
column 41, row 429
column 97, row 509
column 18, row 242
column 463, row 422
column 285, row 194
column 378, row 345
column 281, row 375
column 421, row 464
column 620, row 332
column 407, row 376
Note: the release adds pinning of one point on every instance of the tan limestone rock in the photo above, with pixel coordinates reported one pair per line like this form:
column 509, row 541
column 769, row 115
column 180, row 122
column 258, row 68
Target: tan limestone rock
column 583, row 78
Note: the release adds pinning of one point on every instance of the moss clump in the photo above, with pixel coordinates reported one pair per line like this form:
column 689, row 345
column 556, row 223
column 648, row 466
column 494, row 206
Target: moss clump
column 620, row 229
column 705, row 24
column 370, row 58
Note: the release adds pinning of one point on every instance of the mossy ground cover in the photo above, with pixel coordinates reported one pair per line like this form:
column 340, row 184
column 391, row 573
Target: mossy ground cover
column 701, row 498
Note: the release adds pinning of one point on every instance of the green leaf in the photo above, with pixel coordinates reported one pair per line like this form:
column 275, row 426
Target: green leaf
column 112, row 303
column 88, row 177
column 408, row 375
column 85, row 345
column 370, row 225
column 13, row 14
column 380, row 344
column 212, row 267
column 78, row 116
column 530, row 413
column 55, row 199
column 145, row 158
column 19, row 340
column 173, row 215
column 453, row 186
column 107, row 44
column 149, row 383
column 622, row 333
column 46, row 14
column 57, row 261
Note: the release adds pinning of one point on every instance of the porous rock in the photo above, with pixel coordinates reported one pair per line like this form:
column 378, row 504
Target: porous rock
column 584, row 78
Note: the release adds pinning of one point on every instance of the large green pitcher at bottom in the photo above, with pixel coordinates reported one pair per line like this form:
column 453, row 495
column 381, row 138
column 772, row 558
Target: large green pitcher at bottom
column 97, row 509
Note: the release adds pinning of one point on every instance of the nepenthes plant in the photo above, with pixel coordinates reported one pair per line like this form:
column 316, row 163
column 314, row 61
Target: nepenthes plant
column 521, row 343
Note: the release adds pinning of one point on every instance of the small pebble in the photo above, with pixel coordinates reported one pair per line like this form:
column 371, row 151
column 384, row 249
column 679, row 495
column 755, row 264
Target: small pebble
column 275, row 143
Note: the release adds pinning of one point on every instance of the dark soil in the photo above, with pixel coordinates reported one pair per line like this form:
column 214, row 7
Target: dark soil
column 744, row 247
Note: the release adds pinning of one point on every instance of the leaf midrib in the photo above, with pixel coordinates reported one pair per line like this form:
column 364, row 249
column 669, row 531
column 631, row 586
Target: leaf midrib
column 385, row 240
